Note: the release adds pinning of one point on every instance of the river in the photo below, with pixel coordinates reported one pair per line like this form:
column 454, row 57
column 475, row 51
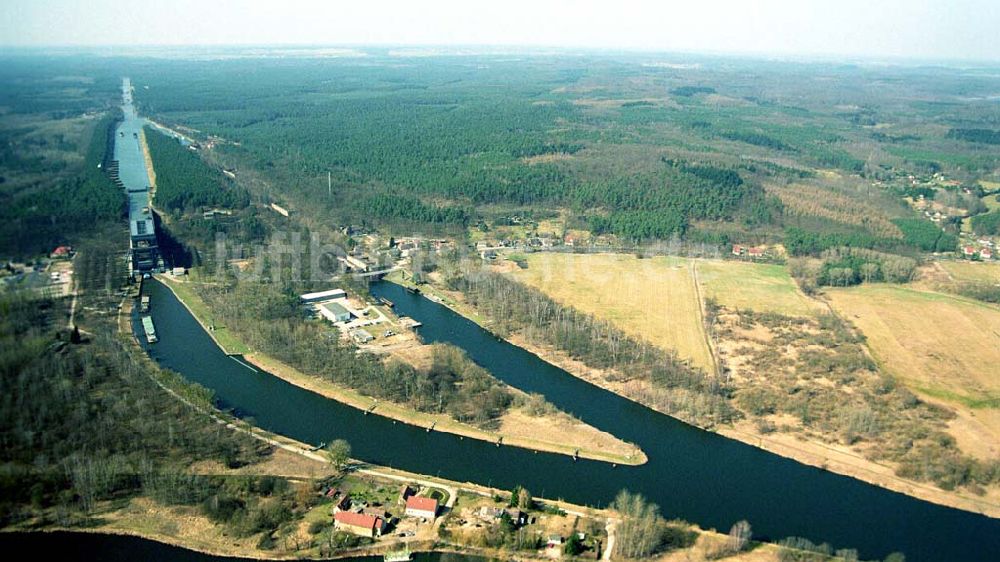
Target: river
column 692, row 474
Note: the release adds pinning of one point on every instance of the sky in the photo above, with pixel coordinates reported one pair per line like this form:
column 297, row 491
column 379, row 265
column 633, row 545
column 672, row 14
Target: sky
column 890, row 29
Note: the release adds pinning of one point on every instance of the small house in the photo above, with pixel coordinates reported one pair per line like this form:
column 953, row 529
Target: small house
column 756, row 252
column 341, row 502
column 405, row 492
column 418, row 506
column 517, row 517
column 489, row 513
column 968, row 251
column 986, row 254
column 738, row 250
column 62, row 252
column 360, row 524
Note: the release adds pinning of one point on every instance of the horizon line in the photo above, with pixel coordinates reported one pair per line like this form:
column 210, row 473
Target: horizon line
column 528, row 48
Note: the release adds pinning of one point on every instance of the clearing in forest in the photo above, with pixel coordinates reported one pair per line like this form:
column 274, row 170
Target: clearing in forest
column 755, row 286
column 654, row 299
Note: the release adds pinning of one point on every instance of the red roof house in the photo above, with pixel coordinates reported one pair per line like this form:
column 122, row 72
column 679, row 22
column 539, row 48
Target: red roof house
column 756, row 252
column 62, row 251
column 359, row 523
column 968, row 251
column 737, row 250
column 417, row 506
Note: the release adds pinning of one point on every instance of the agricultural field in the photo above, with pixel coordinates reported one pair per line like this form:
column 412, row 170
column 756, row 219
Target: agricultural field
column 654, row 299
column 972, row 272
column 759, row 287
column 945, row 348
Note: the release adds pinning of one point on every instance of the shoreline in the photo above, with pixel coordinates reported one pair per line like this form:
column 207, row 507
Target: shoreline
column 810, row 453
column 396, row 412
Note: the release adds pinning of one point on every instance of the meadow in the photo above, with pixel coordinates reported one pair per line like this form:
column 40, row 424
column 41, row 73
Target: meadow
column 655, row 299
column 939, row 345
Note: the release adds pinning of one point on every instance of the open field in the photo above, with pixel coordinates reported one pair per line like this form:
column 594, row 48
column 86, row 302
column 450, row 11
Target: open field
column 940, row 345
column 945, row 348
column 653, row 299
column 760, row 287
column 972, row 271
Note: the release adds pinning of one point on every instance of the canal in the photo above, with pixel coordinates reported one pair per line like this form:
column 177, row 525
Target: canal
column 691, row 474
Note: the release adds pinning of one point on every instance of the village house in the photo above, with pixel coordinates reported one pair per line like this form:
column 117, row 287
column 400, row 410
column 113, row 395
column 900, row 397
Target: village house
column 968, row 251
column 341, row 502
column 986, row 254
column 62, row 252
column 418, row 506
column 405, row 492
column 756, row 252
column 360, row 524
column 738, row 250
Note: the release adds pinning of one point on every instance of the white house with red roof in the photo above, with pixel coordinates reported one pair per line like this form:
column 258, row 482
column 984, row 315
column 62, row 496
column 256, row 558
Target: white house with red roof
column 419, row 506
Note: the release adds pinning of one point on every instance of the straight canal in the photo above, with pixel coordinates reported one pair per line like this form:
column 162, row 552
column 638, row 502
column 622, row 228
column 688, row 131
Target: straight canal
column 692, row 474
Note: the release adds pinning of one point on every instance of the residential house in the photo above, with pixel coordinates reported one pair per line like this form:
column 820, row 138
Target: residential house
column 418, row 506
column 968, row 251
column 405, row 492
column 360, row 524
column 738, row 250
column 756, row 252
column 986, row 254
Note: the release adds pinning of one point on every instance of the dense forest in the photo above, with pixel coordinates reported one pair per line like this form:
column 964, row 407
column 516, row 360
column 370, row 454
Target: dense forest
column 83, row 422
column 184, row 182
column 37, row 220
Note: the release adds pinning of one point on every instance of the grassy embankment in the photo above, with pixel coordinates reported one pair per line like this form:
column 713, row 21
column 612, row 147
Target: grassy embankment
column 566, row 438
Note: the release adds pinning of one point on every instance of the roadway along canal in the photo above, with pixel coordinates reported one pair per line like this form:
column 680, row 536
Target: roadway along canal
column 691, row 474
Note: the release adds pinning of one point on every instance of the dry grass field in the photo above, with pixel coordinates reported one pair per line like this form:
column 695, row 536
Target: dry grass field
column 654, row 299
column 972, row 271
column 943, row 347
column 759, row 287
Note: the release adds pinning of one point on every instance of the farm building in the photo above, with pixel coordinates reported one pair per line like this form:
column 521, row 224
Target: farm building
column 360, row 524
column 334, row 312
column 417, row 506
column 323, row 296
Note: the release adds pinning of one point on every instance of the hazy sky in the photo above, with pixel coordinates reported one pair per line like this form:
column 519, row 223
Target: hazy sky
column 940, row 29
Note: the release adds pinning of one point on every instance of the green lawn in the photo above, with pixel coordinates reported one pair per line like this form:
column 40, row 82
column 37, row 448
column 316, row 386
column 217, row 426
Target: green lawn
column 759, row 287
